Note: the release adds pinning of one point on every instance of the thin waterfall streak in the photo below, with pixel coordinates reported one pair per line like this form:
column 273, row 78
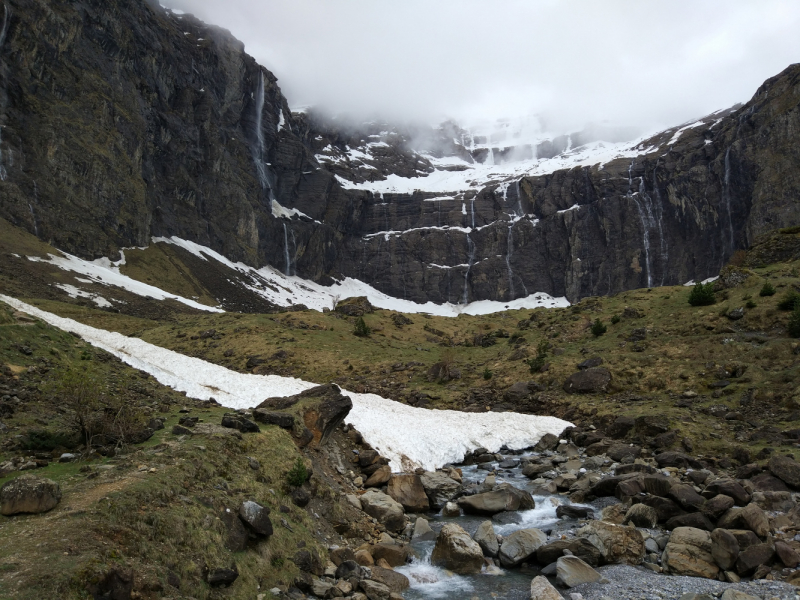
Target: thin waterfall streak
column 509, row 252
column 4, row 31
column 293, row 261
column 33, row 218
column 472, row 208
column 470, row 260
column 519, row 210
column 286, row 259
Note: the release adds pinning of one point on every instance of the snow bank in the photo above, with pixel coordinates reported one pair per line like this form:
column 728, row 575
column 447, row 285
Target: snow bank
column 408, row 436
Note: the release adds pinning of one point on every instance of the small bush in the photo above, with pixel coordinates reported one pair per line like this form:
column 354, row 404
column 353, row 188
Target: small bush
column 767, row 290
column 487, row 374
column 48, row 440
column 537, row 363
column 598, row 328
column 790, row 301
column 702, row 294
column 298, row 474
column 751, row 304
column 615, row 319
column 794, row 323
column 360, row 328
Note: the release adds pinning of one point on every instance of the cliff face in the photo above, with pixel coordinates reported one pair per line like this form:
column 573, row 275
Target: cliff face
column 121, row 121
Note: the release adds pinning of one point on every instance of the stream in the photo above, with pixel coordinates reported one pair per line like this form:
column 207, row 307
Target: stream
column 430, row 581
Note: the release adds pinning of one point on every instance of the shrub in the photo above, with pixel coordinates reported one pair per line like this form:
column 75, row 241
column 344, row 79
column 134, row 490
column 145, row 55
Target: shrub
column 536, row 364
column 48, row 440
column 598, row 328
column 702, row 294
column 360, row 328
column 751, row 304
column 487, row 374
column 790, row 301
column 298, row 474
column 615, row 319
column 767, row 290
column 794, row 323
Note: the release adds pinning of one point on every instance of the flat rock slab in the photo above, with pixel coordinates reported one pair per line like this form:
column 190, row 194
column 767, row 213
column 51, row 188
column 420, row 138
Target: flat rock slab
column 29, row 494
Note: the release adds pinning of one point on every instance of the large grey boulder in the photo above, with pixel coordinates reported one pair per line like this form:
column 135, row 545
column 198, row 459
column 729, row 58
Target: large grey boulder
column 519, row 545
column 256, row 518
column 541, row 589
column 785, row 469
column 29, row 494
column 580, row 547
column 724, row 548
column 504, row 498
column 588, row 381
column 572, row 571
column 422, row 531
column 487, row 539
column 688, row 552
column 439, row 487
column 457, row 551
column 384, row 508
column 616, row 543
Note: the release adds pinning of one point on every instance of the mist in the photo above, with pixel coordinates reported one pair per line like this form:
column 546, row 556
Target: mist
column 639, row 65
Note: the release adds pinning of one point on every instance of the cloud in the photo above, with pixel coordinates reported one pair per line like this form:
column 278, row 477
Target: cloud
column 644, row 64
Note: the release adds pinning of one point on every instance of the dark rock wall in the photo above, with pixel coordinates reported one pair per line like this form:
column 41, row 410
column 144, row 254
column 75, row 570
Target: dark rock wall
column 120, row 121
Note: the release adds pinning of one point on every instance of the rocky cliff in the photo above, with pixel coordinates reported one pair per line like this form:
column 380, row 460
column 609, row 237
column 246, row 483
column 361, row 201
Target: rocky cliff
column 122, row 121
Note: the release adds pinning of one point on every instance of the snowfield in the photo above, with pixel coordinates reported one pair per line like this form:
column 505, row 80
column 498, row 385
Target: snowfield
column 410, row 437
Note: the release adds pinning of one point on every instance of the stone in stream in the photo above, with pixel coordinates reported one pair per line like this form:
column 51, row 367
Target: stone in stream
column 29, row 494
column 406, row 488
column 457, row 551
column 519, row 545
column 375, row 590
column 487, row 539
column 451, row 509
column 439, row 487
column 572, row 571
column 567, row 511
column 541, row 589
column 506, row 497
column 422, row 531
column 396, row 582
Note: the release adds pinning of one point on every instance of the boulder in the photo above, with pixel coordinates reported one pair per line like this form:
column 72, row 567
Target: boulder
column 439, row 487
column 456, row 551
column 339, row 555
column 568, row 511
column 375, row 590
column 766, row 482
column 786, row 469
column 588, row 381
column 384, row 508
column 29, row 494
column 649, row 426
column 519, row 545
column 724, row 549
column 788, row 555
column 572, row 571
column 657, row 485
column 451, row 509
column 395, row 555
column 665, row 508
column 487, row 539
column 753, row 557
column 755, row 520
column 406, row 488
column 616, row 543
column 774, row 501
column 696, row 520
column 620, row 428
column 222, row 576
column 396, row 582
column 238, row 422
column 641, row 515
column 677, row 459
column 688, row 552
column 717, row 506
column 547, row 442
column 731, row 594
column 542, row 589
column 729, row 487
column 686, row 496
column 423, row 531
column 580, row 547
column 504, row 498
column 381, row 476
column 236, row 535
column 281, row 419
column 256, row 518
column 623, row 452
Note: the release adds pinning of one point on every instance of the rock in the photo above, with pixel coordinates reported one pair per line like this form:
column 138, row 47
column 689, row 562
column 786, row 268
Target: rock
column 580, row 547
column 422, row 531
column 620, row 428
column 457, row 551
column 487, row 539
column 623, row 452
column 406, row 488
column 320, row 588
column 396, row 555
column 774, row 501
column 439, row 487
column 641, row 515
column 384, row 508
column 657, row 484
column 686, row 496
column 718, row 505
column 588, row 381
column 649, row 426
column 542, row 589
column 572, row 571
column 730, row 519
column 222, row 576
column 785, row 469
column 696, row 520
column 729, row 487
column 753, row 557
column 236, row 534
column 309, row 561
column 519, row 545
column 381, row 476
column 326, row 411
column 736, row 314
column 238, row 422
column 300, row 497
column 666, row 509
column 375, row 590
column 616, row 543
column 788, row 555
column 256, row 518
column 568, row 511
column 117, row 583
column 339, row 555
column 766, row 482
column 451, row 509
column 181, row 430
column 755, row 520
column 547, row 442
column 489, row 503
column 689, row 553
column 396, row 582
column 29, row 494
column 677, row 459
column 364, row 558
column 724, row 548
column 281, row 419
column 589, row 363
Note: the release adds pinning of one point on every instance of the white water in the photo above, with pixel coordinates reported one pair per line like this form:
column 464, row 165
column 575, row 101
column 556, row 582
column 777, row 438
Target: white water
column 409, row 437
column 286, row 257
column 470, row 261
column 644, row 219
column 259, row 154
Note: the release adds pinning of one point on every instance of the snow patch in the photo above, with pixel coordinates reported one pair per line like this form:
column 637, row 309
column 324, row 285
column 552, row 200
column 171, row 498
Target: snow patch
column 692, row 282
column 409, row 437
column 74, row 292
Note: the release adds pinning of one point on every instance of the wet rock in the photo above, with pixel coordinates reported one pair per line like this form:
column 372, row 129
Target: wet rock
column 786, row 469
column 568, row 511
column 689, row 553
column 533, row 470
column 457, row 551
column 29, row 494
column 542, row 589
column 489, row 503
column 589, row 381
column 406, row 488
column 616, row 543
column 451, row 509
column 384, row 508
column 396, row 582
column 572, row 571
column 423, row 531
column 395, row 555
column 580, row 547
column 256, row 518
column 520, row 545
column 439, row 487
column 724, row 548
column 487, row 539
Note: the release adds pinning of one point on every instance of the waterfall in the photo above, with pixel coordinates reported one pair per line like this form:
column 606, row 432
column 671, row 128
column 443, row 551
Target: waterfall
column 509, row 253
column 472, row 208
column 662, row 239
column 519, row 210
column 645, row 218
column 286, row 252
column 490, row 157
column 33, row 218
column 261, row 167
column 470, row 260
column 3, row 34
column 727, row 196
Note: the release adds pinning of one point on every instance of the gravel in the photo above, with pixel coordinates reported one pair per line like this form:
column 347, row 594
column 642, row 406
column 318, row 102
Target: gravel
column 639, row 583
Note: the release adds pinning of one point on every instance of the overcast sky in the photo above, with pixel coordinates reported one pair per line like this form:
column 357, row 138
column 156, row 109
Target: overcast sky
column 648, row 64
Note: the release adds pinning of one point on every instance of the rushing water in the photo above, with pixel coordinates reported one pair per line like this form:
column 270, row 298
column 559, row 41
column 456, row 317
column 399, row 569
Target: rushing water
column 430, row 581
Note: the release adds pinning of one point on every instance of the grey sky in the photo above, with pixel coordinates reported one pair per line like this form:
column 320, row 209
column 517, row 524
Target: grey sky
column 651, row 63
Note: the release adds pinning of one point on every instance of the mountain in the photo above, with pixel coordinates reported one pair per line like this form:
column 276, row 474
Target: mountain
column 122, row 121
